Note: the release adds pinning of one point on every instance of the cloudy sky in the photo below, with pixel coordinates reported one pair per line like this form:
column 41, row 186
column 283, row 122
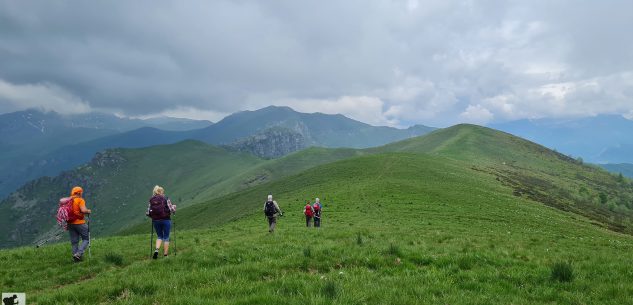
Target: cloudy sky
column 382, row 62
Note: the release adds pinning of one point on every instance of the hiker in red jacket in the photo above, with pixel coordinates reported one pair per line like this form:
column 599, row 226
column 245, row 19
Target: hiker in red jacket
column 308, row 211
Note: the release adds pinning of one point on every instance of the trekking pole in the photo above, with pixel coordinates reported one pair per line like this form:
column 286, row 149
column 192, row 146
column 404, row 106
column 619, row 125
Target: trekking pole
column 89, row 240
column 42, row 242
column 151, row 240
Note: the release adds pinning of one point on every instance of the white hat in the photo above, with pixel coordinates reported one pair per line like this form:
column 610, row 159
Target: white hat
column 270, row 197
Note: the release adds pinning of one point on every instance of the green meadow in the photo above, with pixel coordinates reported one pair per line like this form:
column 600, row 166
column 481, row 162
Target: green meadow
column 398, row 228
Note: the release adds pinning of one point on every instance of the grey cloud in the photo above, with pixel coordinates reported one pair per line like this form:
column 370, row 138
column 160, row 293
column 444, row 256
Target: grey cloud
column 425, row 62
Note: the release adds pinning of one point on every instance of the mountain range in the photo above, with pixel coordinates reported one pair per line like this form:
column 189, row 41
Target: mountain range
column 599, row 139
column 37, row 144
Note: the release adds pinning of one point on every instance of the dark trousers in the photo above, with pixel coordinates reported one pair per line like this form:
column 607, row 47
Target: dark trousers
column 272, row 223
column 317, row 222
column 308, row 221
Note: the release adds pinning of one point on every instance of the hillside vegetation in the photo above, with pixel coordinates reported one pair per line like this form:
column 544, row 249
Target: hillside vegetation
column 398, row 228
column 533, row 172
column 121, row 188
column 117, row 186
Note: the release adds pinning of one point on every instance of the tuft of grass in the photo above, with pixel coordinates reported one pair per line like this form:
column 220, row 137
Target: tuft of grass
column 113, row 258
column 307, row 252
column 359, row 239
column 562, row 272
column 394, row 250
column 330, row 290
column 466, row 262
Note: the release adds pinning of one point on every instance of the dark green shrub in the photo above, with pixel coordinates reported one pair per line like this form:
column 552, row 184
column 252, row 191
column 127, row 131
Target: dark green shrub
column 603, row 198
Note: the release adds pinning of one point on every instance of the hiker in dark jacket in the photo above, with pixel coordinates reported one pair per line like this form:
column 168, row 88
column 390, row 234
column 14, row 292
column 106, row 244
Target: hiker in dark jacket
column 160, row 210
column 271, row 209
column 308, row 211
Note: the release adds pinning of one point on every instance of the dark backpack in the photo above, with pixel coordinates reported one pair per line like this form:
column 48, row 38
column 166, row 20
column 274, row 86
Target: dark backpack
column 270, row 209
column 158, row 208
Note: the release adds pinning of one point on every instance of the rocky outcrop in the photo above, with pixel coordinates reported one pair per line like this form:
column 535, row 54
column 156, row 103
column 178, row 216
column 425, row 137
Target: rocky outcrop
column 271, row 143
column 108, row 158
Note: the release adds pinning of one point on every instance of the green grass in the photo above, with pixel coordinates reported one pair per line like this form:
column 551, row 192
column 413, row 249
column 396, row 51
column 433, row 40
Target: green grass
column 398, row 228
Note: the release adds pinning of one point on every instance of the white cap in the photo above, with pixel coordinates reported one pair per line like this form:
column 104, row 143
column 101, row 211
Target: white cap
column 270, row 197
column 317, row 200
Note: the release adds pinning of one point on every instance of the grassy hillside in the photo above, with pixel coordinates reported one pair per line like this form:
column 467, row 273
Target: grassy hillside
column 119, row 182
column 398, row 228
column 532, row 171
column 117, row 185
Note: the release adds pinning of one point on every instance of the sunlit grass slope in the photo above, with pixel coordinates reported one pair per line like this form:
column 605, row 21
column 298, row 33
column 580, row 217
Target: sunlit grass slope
column 398, row 228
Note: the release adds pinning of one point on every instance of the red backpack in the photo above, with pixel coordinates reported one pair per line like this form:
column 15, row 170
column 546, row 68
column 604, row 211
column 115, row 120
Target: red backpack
column 65, row 212
column 308, row 211
column 317, row 210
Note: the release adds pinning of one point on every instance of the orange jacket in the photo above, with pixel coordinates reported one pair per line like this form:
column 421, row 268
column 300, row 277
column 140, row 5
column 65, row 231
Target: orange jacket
column 78, row 202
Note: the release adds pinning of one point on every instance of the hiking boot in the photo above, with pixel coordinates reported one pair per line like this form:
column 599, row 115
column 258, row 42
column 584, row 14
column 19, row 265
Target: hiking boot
column 155, row 256
column 77, row 258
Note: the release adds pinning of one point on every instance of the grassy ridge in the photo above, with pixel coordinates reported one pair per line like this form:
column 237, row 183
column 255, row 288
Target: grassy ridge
column 533, row 171
column 399, row 228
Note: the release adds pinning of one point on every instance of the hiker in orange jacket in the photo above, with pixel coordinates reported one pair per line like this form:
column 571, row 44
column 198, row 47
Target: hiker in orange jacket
column 78, row 227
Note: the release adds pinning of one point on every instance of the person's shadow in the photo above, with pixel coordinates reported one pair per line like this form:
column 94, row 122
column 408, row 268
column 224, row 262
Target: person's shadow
column 10, row 301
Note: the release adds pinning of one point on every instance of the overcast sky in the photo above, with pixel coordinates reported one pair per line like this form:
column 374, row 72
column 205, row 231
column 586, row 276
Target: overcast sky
column 382, row 62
